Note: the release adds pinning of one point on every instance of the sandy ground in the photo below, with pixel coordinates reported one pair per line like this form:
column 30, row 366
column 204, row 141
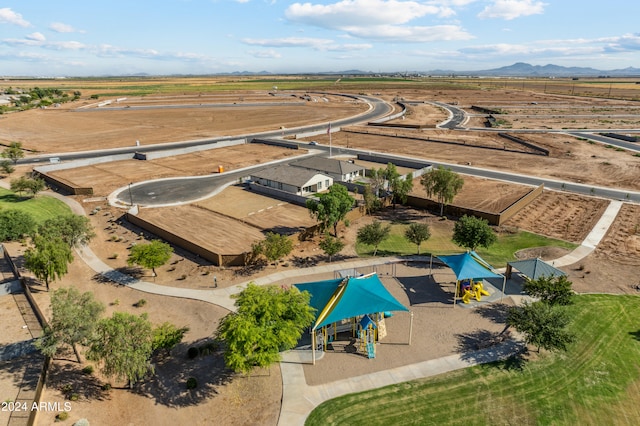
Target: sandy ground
column 439, row 329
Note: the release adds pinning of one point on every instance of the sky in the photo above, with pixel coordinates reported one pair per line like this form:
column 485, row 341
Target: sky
column 53, row 38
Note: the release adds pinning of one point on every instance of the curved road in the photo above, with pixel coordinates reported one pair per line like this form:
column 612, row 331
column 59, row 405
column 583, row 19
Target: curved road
column 182, row 190
column 378, row 108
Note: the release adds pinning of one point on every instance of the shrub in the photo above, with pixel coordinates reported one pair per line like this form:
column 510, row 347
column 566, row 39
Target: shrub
column 62, row 416
column 74, row 397
column 88, row 369
column 192, row 383
column 113, row 256
column 140, row 303
column 192, row 352
column 106, row 387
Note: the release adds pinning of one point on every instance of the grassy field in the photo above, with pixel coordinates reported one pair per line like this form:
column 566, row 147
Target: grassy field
column 40, row 208
column 596, row 382
column 440, row 243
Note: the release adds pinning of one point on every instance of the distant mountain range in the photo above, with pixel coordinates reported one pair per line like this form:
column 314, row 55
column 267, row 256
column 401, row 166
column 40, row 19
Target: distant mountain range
column 521, row 69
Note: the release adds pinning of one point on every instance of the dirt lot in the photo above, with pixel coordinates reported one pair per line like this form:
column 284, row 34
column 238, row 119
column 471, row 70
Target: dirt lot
column 235, row 400
column 64, row 130
column 107, row 177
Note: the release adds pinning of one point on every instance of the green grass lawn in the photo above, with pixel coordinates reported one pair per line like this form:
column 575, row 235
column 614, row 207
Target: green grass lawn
column 440, row 243
column 41, row 207
column 596, row 382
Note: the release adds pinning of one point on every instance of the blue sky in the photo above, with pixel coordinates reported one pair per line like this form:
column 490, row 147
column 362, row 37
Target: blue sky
column 98, row 37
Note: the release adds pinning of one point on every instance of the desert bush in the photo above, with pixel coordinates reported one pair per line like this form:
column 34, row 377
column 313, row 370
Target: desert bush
column 60, row 417
column 140, row 303
column 192, row 383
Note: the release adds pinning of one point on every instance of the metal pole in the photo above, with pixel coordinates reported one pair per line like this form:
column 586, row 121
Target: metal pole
column 410, row 327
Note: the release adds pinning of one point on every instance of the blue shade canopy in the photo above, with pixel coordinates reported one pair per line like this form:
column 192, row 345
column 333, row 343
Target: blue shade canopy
column 349, row 297
column 536, row 268
column 467, row 266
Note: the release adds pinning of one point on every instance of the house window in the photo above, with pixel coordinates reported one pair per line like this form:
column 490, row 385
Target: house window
column 326, row 183
column 319, row 185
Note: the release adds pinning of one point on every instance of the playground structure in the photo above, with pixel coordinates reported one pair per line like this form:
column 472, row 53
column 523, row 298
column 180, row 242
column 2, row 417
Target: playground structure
column 470, row 270
column 355, row 305
column 470, row 289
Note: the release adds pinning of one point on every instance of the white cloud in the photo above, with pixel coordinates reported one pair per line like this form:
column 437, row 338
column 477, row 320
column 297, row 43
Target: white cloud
column 265, row 54
column 379, row 19
column 36, row 36
column 8, row 16
column 315, row 43
column 38, row 40
column 59, row 27
column 349, row 13
column 311, row 43
column 408, row 34
column 512, row 9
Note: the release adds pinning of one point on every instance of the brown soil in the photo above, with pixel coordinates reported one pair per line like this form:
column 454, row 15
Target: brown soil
column 107, row 177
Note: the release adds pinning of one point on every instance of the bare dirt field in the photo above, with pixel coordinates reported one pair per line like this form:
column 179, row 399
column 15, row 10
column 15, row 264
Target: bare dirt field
column 481, row 194
column 107, row 177
column 571, row 160
column 64, row 130
column 439, row 329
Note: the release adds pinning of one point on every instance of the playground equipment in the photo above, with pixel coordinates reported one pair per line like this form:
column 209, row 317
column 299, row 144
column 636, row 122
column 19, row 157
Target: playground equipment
column 367, row 336
column 470, row 289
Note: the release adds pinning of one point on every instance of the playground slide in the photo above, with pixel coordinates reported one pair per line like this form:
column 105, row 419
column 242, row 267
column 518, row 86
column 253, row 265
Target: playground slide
column 371, row 350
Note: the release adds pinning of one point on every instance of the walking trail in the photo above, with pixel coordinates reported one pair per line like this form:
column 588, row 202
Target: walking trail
column 299, row 399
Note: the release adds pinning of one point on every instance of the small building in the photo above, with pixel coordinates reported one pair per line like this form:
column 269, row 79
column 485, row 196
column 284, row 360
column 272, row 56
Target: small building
column 339, row 170
column 295, row 180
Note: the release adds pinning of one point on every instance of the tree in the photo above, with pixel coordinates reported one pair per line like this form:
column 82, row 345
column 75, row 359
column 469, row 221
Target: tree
column 417, row 233
column 331, row 245
column 442, row 183
column 48, row 259
column 543, row 325
column 6, row 167
column 550, row 290
column 150, row 255
column 276, row 246
column 399, row 186
column 73, row 320
column 15, row 224
column 378, row 179
column 269, row 319
column 331, row 207
column 372, row 202
column 166, row 336
column 471, row 232
column 28, row 185
column 123, row 344
column 13, row 152
column 75, row 230
column 373, row 234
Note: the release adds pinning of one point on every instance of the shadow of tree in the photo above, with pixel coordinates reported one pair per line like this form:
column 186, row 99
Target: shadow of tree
column 477, row 339
column 118, row 275
column 68, row 378
column 496, row 312
column 635, row 334
column 168, row 384
column 23, row 371
column 497, row 353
